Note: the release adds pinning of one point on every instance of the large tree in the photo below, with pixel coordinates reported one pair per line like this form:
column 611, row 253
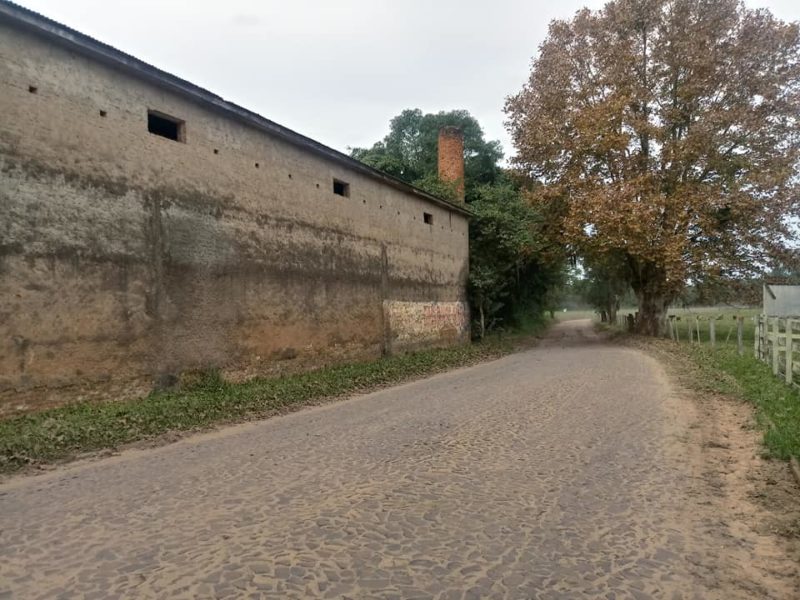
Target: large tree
column 667, row 132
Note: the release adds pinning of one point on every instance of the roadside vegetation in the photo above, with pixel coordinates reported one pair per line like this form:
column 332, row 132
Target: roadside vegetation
column 723, row 371
column 69, row 431
column 515, row 267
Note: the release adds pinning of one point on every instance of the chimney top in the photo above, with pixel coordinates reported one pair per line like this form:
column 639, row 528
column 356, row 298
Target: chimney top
column 451, row 130
column 451, row 158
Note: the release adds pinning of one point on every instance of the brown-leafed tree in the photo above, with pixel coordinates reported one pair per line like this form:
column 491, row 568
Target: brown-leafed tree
column 667, row 131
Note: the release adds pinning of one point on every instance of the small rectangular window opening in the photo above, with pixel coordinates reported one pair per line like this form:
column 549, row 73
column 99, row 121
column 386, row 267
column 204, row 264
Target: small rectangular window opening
column 428, row 218
column 165, row 126
column 341, row 188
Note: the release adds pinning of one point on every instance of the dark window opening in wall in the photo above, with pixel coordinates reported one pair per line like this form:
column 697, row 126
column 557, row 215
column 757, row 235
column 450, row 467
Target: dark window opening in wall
column 33, row 89
column 165, row 126
column 341, row 188
column 428, row 218
column 103, row 113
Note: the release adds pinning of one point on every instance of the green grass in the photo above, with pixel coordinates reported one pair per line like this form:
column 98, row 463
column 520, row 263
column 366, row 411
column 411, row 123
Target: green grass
column 723, row 371
column 778, row 405
column 724, row 319
column 65, row 432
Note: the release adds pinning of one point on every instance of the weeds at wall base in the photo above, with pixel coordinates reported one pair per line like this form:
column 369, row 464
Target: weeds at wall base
column 65, row 432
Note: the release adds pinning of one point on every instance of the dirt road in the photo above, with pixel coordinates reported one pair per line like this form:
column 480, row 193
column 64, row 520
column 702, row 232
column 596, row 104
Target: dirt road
column 573, row 470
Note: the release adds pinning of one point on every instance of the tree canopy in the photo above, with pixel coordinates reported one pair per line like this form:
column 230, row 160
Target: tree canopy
column 409, row 151
column 508, row 278
column 666, row 132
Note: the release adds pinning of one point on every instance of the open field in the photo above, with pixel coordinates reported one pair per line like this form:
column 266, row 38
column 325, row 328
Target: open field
column 724, row 320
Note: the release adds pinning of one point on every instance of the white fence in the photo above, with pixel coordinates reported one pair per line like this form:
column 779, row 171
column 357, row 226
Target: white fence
column 777, row 342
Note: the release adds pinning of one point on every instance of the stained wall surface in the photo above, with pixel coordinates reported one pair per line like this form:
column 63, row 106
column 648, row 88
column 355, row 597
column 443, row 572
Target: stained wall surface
column 127, row 258
column 781, row 300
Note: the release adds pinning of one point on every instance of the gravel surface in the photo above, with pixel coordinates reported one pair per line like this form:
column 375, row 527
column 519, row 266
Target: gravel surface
column 566, row 471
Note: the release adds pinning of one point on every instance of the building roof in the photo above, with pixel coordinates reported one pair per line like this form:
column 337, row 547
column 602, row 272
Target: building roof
column 88, row 46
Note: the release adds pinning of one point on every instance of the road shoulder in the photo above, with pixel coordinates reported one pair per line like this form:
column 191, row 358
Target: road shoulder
column 743, row 498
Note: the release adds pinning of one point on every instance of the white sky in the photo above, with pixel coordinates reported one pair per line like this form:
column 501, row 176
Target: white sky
column 338, row 70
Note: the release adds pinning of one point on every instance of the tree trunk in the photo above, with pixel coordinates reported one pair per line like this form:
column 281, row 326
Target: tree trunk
column 652, row 288
column 483, row 320
column 652, row 316
column 612, row 312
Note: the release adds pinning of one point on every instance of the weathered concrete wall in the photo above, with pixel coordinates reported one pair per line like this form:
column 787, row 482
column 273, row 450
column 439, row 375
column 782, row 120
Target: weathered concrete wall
column 128, row 258
column 781, row 300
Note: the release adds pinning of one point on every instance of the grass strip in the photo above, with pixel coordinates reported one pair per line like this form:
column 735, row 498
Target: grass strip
column 778, row 405
column 65, row 432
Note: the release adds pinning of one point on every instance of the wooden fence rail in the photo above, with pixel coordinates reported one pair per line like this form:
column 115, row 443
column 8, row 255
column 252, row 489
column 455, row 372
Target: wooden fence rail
column 688, row 328
column 777, row 342
column 777, row 339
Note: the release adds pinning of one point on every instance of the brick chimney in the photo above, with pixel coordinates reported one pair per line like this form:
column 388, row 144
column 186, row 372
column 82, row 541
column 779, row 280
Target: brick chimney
column 451, row 158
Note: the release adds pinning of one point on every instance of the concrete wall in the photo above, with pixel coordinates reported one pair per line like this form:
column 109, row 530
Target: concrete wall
column 781, row 300
column 127, row 258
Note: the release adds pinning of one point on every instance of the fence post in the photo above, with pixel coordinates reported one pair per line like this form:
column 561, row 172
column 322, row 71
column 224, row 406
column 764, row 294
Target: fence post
column 739, row 333
column 712, row 331
column 757, row 336
column 775, row 353
column 789, row 349
column 697, row 326
column 669, row 329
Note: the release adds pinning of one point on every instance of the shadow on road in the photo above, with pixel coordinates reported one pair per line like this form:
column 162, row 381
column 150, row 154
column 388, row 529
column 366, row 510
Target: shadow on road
column 580, row 332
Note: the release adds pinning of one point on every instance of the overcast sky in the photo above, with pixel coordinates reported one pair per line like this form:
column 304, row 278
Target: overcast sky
column 338, row 70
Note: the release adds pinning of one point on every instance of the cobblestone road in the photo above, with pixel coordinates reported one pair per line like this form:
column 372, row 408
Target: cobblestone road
column 554, row 473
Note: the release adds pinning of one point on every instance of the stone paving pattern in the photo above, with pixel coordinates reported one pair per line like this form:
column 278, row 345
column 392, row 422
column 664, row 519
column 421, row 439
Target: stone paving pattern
column 547, row 474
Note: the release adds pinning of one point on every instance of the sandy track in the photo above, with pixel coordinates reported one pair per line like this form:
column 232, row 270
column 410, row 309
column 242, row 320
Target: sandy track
column 573, row 470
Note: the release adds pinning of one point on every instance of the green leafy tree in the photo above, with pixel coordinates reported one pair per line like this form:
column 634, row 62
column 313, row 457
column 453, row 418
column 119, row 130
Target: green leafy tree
column 409, row 152
column 503, row 245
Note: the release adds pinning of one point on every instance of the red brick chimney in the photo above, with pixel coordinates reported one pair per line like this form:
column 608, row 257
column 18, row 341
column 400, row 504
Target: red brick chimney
column 451, row 158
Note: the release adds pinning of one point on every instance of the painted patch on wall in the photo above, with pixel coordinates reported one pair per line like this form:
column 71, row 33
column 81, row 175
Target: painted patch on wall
column 413, row 322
